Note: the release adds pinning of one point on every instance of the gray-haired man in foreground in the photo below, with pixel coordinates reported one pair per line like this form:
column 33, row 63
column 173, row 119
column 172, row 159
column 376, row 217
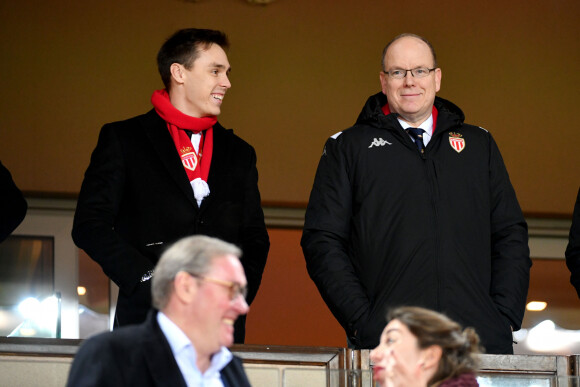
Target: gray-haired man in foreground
column 198, row 292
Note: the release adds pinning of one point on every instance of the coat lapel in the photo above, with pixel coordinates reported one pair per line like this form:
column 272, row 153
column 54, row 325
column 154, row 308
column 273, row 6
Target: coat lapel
column 233, row 374
column 164, row 369
column 156, row 130
column 158, row 356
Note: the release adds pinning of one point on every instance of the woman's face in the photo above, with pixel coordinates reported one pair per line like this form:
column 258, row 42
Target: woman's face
column 397, row 359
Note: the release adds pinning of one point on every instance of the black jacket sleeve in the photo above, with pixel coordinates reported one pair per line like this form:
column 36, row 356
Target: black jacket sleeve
column 510, row 254
column 94, row 367
column 234, row 375
column 97, row 208
column 13, row 206
column 573, row 249
column 325, row 242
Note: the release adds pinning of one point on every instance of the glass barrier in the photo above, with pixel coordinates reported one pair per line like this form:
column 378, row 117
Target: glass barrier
column 298, row 377
column 28, row 302
column 503, row 380
column 42, row 318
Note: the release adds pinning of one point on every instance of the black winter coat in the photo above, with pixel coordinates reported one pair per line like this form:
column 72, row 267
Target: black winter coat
column 386, row 226
column 136, row 200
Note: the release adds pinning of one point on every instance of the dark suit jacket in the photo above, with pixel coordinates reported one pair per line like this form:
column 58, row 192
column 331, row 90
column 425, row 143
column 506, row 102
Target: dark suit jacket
column 136, row 200
column 137, row 355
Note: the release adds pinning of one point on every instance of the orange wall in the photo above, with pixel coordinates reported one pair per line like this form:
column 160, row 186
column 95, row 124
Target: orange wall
column 302, row 70
column 288, row 309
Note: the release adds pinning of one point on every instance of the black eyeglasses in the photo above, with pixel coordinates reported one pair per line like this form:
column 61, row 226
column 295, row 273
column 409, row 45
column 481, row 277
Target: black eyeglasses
column 235, row 289
column 419, row 72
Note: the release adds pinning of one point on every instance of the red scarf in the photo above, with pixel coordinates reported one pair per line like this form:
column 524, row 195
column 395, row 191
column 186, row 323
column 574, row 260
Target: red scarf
column 195, row 165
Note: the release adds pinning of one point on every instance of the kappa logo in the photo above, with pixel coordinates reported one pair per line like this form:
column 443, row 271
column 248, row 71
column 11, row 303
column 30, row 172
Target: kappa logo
column 379, row 142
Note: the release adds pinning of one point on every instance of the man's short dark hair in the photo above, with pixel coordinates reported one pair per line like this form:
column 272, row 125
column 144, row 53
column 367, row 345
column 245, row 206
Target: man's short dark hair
column 183, row 47
column 405, row 35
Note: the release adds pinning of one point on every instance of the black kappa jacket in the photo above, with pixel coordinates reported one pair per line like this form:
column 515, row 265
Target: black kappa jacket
column 386, row 226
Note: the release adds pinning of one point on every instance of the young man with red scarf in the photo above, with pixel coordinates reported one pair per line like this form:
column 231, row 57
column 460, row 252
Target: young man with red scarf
column 170, row 173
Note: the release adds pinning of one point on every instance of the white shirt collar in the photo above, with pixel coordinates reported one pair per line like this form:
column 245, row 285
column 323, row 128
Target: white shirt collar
column 427, row 126
column 186, row 357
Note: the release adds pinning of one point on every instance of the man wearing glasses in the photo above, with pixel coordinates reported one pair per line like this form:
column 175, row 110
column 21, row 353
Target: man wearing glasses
column 412, row 206
column 172, row 172
column 198, row 291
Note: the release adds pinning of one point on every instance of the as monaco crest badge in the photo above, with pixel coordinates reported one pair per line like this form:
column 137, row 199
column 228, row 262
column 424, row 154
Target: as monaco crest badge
column 189, row 160
column 456, row 141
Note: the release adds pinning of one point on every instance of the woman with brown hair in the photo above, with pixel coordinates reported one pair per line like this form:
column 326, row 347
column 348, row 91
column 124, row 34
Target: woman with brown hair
column 420, row 347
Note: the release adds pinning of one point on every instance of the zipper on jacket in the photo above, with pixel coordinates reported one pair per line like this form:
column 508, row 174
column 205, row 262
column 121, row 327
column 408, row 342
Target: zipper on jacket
column 433, row 192
column 434, row 199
